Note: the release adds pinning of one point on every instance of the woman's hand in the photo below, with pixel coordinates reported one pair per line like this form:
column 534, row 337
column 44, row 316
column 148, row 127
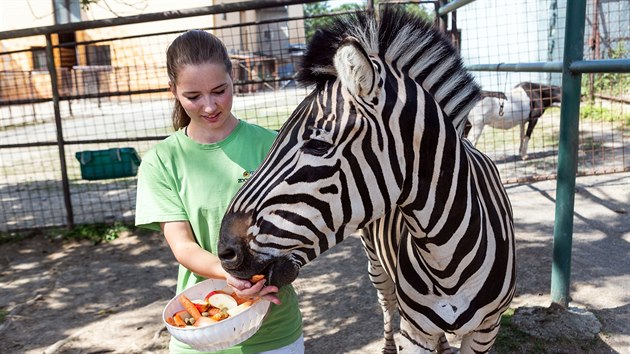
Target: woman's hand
column 247, row 290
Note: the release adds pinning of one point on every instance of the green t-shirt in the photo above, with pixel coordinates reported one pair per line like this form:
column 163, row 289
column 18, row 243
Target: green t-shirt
column 182, row 180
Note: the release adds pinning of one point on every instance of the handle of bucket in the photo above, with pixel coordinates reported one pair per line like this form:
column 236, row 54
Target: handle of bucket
column 85, row 157
column 114, row 154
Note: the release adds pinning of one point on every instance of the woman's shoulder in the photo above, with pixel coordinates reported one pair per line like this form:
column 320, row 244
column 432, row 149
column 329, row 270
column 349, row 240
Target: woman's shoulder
column 255, row 129
column 163, row 149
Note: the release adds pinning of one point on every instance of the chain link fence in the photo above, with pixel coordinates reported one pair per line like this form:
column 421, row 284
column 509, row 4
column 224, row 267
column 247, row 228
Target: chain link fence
column 109, row 90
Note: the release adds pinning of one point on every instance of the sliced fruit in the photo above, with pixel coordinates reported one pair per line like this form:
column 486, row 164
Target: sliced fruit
column 213, row 311
column 222, row 301
column 240, row 308
column 210, row 294
column 201, row 305
column 204, row 321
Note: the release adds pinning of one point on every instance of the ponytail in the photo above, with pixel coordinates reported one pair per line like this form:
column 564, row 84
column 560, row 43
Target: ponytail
column 180, row 118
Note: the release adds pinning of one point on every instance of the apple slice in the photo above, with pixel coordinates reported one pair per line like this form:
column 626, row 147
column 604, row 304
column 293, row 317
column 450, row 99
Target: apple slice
column 240, row 308
column 201, row 305
column 222, row 301
column 204, row 321
column 210, row 294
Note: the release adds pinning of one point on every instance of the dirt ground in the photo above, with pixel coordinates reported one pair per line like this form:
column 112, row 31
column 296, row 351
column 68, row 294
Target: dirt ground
column 77, row 297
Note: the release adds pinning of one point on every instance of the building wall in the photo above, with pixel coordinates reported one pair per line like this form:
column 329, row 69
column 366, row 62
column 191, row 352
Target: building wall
column 136, row 58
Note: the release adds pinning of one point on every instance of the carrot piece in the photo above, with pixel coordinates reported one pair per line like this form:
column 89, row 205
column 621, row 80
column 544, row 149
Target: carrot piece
column 179, row 322
column 189, row 307
column 171, row 321
column 256, row 278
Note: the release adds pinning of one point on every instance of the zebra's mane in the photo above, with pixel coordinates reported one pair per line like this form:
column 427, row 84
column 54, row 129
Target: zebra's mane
column 405, row 41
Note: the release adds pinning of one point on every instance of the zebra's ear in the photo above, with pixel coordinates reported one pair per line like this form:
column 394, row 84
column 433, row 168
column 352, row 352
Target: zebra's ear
column 354, row 68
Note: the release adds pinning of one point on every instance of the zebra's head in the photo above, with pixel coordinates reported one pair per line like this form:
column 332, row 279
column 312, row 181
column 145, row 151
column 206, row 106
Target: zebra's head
column 347, row 154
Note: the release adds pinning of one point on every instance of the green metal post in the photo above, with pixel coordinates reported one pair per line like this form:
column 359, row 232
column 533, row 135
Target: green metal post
column 567, row 153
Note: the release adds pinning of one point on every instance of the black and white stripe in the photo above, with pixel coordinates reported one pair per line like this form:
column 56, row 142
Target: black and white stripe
column 377, row 147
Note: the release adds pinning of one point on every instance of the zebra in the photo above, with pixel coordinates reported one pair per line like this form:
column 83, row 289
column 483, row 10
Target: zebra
column 377, row 147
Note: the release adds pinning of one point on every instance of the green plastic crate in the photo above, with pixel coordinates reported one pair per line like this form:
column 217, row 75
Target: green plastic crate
column 109, row 163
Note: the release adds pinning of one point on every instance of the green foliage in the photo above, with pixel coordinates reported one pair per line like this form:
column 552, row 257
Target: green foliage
column 96, row 233
column 416, row 9
column 509, row 338
column 85, row 4
column 602, row 114
column 614, row 84
column 319, row 11
column 512, row 340
column 6, row 237
column 3, row 314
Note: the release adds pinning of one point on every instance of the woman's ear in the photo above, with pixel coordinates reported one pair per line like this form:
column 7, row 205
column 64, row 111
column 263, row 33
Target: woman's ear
column 172, row 87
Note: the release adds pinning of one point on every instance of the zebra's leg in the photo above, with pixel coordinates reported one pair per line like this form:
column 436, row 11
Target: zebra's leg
column 444, row 347
column 414, row 341
column 387, row 299
column 481, row 339
column 386, row 290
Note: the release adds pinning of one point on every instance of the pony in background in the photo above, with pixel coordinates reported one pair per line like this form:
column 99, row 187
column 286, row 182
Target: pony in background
column 524, row 104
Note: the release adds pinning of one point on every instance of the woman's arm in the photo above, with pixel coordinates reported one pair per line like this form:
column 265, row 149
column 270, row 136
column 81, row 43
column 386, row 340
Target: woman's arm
column 188, row 253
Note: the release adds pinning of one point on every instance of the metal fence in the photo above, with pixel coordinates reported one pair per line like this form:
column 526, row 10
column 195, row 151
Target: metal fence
column 109, row 89
column 530, row 34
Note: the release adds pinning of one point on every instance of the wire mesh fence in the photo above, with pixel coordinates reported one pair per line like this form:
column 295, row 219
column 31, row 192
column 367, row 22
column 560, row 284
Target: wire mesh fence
column 112, row 93
column 498, row 32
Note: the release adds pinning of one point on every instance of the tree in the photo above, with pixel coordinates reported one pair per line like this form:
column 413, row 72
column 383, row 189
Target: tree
column 319, row 13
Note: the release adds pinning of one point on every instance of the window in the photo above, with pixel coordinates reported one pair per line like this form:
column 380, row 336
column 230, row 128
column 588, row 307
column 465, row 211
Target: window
column 67, row 11
column 98, row 55
column 39, row 58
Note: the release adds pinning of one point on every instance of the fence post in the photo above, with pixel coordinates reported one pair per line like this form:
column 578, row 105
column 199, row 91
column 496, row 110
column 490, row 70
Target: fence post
column 567, row 153
column 50, row 61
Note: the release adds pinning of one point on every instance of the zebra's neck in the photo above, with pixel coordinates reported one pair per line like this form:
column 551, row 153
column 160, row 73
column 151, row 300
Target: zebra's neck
column 436, row 186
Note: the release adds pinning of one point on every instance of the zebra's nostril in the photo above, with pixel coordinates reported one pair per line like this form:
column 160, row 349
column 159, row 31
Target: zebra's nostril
column 228, row 255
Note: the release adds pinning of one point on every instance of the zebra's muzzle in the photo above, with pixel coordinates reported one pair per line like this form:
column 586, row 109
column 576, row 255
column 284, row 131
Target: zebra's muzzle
column 282, row 272
column 238, row 259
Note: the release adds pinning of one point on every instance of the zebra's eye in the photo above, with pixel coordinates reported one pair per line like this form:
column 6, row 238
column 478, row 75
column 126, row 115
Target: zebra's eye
column 316, row 147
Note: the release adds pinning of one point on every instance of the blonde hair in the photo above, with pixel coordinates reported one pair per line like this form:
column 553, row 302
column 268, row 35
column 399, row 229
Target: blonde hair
column 192, row 48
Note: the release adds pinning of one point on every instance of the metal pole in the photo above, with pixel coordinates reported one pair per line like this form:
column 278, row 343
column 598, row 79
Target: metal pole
column 50, row 61
column 443, row 16
column 446, row 6
column 567, row 153
column 549, row 66
column 577, row 66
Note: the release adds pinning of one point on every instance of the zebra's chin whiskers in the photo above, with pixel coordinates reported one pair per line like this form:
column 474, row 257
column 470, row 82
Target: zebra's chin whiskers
column 282, row 271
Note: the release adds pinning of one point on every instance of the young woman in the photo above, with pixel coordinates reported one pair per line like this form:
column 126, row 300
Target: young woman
column 186, row 182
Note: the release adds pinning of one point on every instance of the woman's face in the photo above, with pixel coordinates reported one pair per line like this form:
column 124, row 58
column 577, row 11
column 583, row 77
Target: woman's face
column 206, row 92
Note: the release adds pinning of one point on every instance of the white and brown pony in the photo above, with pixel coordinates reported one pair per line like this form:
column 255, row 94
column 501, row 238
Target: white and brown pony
column 524, row 104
